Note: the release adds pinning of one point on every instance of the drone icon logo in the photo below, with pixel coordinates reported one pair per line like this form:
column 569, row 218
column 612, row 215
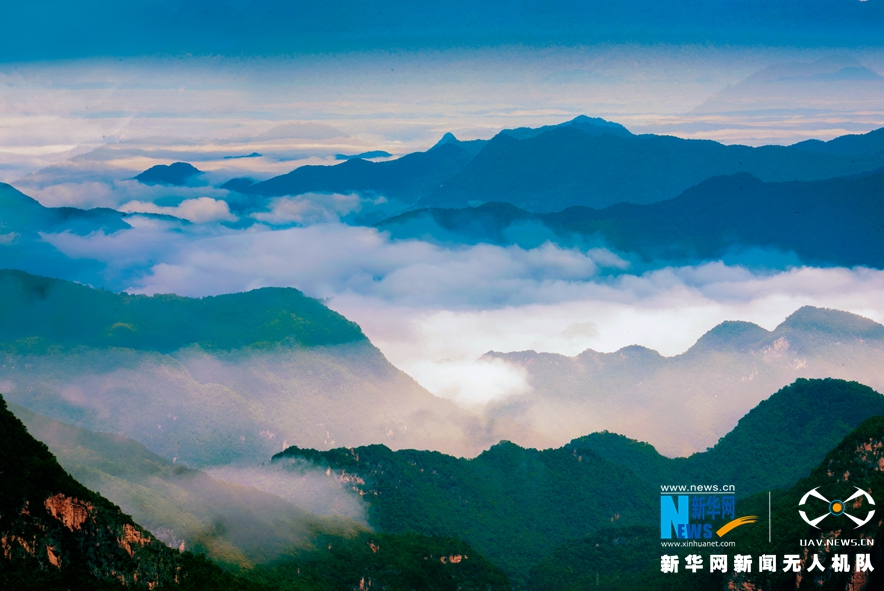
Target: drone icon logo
column 837, row 507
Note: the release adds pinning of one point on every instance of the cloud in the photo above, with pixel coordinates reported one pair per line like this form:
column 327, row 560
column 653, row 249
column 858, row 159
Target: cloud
column 308, row 209
column 312, row 131
column 434, row 310
column 299, row 483
column 199, row 210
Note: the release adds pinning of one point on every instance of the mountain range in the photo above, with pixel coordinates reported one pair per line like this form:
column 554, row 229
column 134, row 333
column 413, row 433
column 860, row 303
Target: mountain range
column 281, row 369
column 517, row 505
column 584, row 162
column 214, row 380
column 58, row 535
column 826, row 222
column 626, row 559
column 685, row 403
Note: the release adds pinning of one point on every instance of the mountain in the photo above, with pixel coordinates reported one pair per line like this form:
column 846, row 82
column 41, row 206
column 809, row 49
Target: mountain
column 592, row 126
column 772, row 446
column 586, row 162
column 213, row 380
column 176, row 174
column 516, row 505
column 513, row 504
column 235, row 525
column 685, row 403
column 714, row 219
column 23, row 220
column 404, row 179
column 629, row 558
column 364, row 155
column 814, row 89
column 59, row 535
column 565, row 167
column 403, row 562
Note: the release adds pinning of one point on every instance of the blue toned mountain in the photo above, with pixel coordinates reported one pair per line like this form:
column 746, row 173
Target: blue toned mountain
column 565, row 167
column 405, row 179
column 176, row 174
column 717, row 218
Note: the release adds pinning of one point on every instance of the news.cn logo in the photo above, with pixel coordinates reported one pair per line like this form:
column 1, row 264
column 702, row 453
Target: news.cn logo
column 707, row 515
column 836, row 508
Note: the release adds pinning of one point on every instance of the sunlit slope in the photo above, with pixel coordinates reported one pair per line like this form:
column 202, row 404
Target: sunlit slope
column 213, row 380
column 185, row 508
column 59, row 535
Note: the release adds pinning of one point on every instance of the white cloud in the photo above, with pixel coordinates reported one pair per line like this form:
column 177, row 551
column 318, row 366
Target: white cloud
column 309, row 208
column 434, row 310
column 199, row 210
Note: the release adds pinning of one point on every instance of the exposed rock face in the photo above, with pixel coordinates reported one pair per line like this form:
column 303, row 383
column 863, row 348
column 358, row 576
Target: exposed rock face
column 52, row 528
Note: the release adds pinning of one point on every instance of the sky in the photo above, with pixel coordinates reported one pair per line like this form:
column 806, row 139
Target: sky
column 95, row 92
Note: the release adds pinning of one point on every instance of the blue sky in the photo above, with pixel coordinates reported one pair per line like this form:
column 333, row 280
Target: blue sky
column 47, row 30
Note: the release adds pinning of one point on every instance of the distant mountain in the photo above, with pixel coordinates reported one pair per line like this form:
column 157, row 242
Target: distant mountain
column 22, row 214
column 583, row 162
column 405, row 179
column 628, row 559
column 175, row 174
column 685, row 403
column 364, row 155
column 471, row 146
column 53, row 313
column 566, row 167
column 812, row 88
column 23, row 219
column 714, row 219
column 515, row 505
column 214, row 380
column 592, row 126
column 848, row 145
column 59, row 535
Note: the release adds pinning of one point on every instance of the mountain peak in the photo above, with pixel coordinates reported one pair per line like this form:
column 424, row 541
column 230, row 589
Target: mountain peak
column 448, row 138
column 177, row 173
column 730, row 335
column 833, row 322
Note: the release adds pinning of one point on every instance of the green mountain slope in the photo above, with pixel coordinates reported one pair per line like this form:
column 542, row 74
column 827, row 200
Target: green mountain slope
column 213, row 380
column 43, row 312
column 232, row 524
column 516, row 505
column 634, row 563
column 57, row 534
column 773, row 446
column 512, row 504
